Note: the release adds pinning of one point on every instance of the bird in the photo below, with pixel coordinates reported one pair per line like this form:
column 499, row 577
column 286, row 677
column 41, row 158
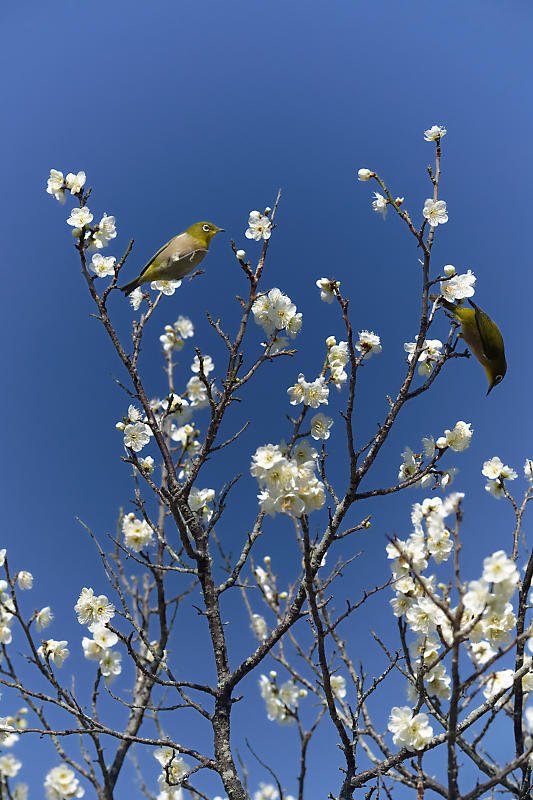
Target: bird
column 177, row 257
column 483, row 337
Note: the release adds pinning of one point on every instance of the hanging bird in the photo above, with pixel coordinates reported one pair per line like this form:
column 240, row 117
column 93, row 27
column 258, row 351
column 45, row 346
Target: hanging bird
column 483, row 337
column 178, row 257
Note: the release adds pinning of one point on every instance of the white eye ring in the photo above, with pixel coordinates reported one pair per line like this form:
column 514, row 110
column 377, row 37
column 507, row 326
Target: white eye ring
column 206, row 228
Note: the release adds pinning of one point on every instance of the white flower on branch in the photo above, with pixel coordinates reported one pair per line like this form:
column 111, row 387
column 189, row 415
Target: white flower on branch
column 55, row 185
column 494, row 468
column 207, row 365
column 275, row 311
column 137, row 533
column 338, row 686
column 498, row 568
column 103, row 266
column 80, row 217
column 54, row 651
column 434, row 133
column 167, row 287
column 136, row 298
column 459, row 287
column 457, row 439
column 435, row 212
column 411, row 731
column 61, row 784
column 379, row 204
column 320, row 426
column 92, row 609
column 25, row 579
column 259, row 226
column 369, row 343
column 288, row 487
column 75, row 182
column 104, row 233
column 328, row 289
column 43, row 618
column 430, row 354
column 137, row 436
column 259, row 627
column 110, row 665
column 9, row 766
column 364, row 174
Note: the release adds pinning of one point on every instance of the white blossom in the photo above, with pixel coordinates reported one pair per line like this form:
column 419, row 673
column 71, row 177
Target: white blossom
column 379, row 204
column 338, row 686
column 136, row 298
column 110, row 665
column 207, row 365
column 434, row 133
column 457, row 439
column 167, row 287
column 80, row 217
column 54, row 651
column 411, row 731
column 105, row 231
column 320, row 425
column 55, row 185
column 328, row 289
column 364, row 174
column 459, row 287
column 75, row 182
column 369, row 342
column 103, row 266
column 61, row 784
column 43, row 618
column 25, row 580
column 9, row 766
column 259, row 627
column 137, row 533
column 435, row 212
column 259, row 227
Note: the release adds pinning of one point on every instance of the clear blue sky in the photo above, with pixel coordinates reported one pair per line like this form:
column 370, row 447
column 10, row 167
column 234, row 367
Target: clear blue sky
column 201, row 110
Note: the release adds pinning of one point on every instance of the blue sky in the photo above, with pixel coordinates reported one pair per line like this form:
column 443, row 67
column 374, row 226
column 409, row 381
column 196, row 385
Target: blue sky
column 201, row 110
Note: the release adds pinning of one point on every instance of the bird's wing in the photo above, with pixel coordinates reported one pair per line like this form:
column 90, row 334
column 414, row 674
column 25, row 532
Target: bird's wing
column 180, row 248
column 157, row 254
column 491, row 338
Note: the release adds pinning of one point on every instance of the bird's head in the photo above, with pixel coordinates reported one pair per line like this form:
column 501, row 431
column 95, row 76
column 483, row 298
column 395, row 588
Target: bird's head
column 203, row 232
column 496, row 372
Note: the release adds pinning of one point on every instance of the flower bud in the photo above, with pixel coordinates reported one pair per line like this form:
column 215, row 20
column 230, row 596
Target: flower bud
column 120, row 426
column 267, row 560
column 241, row 254
column 364, row 174
column 399, row 200
column 331, row 341
column 283, row 595
column 449, row 270
column 273, row 674
column 302, row 693
column 267, row 210
column 367, row 524
column 441, row 442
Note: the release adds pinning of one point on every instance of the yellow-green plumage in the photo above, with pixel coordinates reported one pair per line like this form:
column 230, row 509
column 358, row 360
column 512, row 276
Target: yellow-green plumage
column 483, row 338
column 178, row 257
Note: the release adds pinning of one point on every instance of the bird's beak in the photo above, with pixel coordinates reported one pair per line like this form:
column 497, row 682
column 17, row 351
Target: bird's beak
column 221, row 230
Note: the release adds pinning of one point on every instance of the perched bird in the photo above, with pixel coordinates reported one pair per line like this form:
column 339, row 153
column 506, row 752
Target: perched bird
column 483, row 337
column 178, row 257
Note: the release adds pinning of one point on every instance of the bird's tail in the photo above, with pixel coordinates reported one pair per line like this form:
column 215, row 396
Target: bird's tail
column 129, row 287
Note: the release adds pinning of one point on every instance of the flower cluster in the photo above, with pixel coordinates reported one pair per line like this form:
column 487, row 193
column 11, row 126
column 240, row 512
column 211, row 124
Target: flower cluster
column 328, row 289
column 458, row 439
column 430, row 354
column 96, row 612
column 411, row 464
column 137, row 533
column 259, row 226
column 7, row 609
column 459, row 286
column 311, row 394
column 369, row 343
column 274, row 311
column 57, row 184
column 289, row 485
column 199, row 500
column 174, row 770
column 174, row 335
column 280, row 701
column 338, row 357
column 496, row 472
column 412, row 731
column 61, row 784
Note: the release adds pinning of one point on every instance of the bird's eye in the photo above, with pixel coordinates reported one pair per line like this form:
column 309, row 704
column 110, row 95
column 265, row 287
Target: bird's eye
column 498, row 379
column 207, row 228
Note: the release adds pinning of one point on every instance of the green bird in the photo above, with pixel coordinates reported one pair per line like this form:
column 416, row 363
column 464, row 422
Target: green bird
column 178, row 257
column 484, row 339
